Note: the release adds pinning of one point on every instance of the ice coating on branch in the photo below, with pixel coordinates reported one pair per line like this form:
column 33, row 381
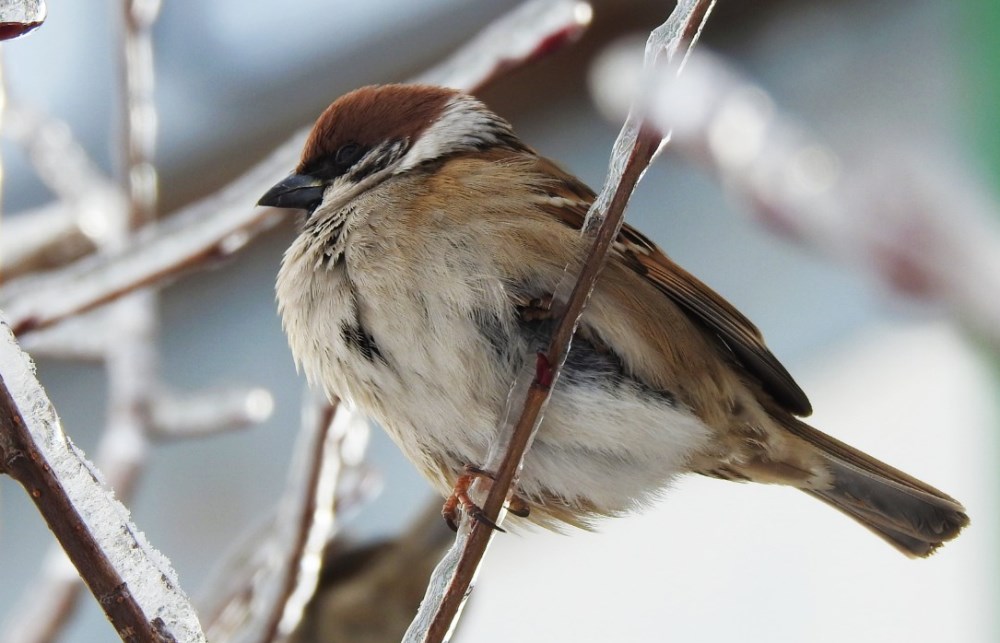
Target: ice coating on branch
column 150, row 578
column 936, row 237
column 685, row 21
column 224, row 222
column 18, row 17
column 532, row 29
column 262, row 589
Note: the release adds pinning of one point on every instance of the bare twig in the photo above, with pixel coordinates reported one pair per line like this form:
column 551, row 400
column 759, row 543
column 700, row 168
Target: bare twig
column 634, row 149
column 218, row 226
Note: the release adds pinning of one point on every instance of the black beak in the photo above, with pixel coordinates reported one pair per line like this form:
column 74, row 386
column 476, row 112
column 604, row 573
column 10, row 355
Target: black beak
column 295, row 191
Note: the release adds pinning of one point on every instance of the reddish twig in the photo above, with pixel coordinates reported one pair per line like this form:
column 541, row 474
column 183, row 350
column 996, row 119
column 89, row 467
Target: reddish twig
column 636, row 146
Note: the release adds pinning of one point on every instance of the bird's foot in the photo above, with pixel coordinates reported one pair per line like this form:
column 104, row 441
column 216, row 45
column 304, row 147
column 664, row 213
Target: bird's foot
column 459, row 500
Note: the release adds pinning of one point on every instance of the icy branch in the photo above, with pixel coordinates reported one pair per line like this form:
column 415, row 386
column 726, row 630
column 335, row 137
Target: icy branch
column 134, row 583
column 527, row 33
column 70, row 228
column 918, row 229
column 634, row 149
column 263, row 589
column 18, row 17
column 223, row 223
column 208, row 412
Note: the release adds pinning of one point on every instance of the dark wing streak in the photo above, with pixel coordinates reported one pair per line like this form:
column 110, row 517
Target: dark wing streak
column 736, row 333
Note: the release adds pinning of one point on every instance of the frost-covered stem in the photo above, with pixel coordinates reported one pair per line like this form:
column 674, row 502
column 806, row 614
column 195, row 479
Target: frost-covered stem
column 88, row 201
column 635, row 148
column 916, row 226
column 221, row 224
column 134, row 583
column 305, row 524
column 20, row 459
column 18, row 17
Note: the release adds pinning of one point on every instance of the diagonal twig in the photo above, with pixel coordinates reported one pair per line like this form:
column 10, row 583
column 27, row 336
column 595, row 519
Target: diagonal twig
column 133, row 583
column 931, row 236
column 636, row 145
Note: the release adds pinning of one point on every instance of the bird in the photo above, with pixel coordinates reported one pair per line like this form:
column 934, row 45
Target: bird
column 422, row 276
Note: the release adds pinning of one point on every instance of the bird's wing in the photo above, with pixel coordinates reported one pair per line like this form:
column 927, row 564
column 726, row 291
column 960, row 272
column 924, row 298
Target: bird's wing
column 734, row 332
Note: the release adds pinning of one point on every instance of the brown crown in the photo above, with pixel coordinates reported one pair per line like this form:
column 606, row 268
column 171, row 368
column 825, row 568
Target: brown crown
column 374, row 114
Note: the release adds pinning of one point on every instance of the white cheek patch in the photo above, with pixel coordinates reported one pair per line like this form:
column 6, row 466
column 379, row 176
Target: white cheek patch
column 463, row 125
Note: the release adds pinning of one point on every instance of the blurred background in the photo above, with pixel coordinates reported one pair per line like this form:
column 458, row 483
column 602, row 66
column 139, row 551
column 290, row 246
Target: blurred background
column 713, row 561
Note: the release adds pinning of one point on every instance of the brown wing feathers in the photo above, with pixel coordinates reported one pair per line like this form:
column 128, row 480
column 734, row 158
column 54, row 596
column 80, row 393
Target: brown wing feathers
column 734, row 332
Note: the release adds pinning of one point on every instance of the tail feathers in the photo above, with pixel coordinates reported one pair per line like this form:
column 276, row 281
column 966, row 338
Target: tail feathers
column 914, row 522
column 909, row 514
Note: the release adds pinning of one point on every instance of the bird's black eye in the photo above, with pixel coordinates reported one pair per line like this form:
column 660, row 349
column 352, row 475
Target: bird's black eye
column 348, row 154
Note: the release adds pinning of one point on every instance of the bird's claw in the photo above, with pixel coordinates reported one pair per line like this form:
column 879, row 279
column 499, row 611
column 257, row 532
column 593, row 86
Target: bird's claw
column 459, row 500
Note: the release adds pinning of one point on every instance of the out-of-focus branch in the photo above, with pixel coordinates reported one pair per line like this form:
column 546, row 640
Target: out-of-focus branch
column 84, row 338
column 309, row 508
column 219, row 225
column 369, row 593
column 88, row 201
column 132, row 582
column 42, row 239
column 263, row 588
column 634, row 149
column 208, row 412
column 916, row 228
column 529, row 32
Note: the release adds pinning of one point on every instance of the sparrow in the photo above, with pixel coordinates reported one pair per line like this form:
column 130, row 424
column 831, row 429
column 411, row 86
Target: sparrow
column 432, row 242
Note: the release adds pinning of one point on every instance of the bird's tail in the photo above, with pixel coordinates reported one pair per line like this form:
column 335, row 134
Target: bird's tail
column 911, row 515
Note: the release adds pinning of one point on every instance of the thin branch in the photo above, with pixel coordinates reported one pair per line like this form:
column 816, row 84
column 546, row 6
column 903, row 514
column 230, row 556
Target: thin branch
column 932, row 237
column 262, row 588
column 634, row 149
column 339, row 448
column 132, row 582
column 88, row 201
column 209, row 412
column 84, row 338
column 26, row 465
column 47, row 237
column 218, row 226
